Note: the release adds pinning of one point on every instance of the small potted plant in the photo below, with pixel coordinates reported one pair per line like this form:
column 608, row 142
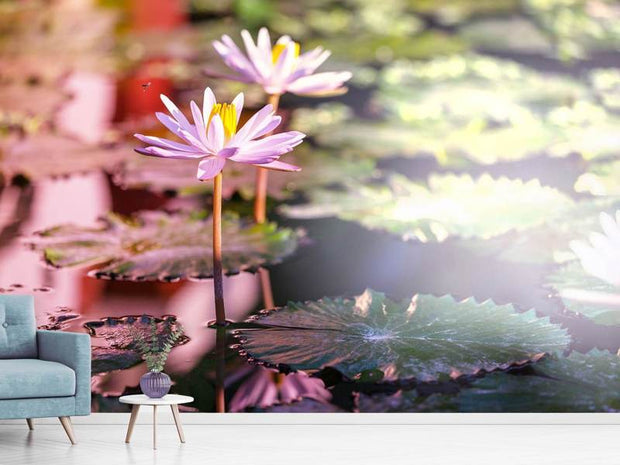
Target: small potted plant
column 154, row 346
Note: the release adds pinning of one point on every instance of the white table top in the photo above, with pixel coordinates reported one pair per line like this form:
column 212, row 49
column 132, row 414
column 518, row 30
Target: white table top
column 168, row 399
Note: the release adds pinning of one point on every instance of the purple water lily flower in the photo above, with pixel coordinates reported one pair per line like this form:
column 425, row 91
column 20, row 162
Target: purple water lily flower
column 214, row 138
column 280, row 68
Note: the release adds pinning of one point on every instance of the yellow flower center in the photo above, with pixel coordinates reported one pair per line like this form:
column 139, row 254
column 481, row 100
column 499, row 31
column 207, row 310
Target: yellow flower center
column 228, row 114
column 277, row 50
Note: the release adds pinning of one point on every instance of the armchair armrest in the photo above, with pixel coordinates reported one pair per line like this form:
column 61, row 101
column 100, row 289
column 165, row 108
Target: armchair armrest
column 73, row 350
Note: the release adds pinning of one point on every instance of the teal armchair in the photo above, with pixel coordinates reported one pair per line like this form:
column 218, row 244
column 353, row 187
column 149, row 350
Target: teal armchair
column 42, row 373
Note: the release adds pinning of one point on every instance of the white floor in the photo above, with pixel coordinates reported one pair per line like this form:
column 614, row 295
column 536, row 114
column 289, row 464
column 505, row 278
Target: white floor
column 313, row 444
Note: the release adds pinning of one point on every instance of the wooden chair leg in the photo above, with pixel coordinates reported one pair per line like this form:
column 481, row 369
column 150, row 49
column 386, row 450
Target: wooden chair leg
column 177, row 421
column 132, row 422
column 30, row 422
column 66, row 424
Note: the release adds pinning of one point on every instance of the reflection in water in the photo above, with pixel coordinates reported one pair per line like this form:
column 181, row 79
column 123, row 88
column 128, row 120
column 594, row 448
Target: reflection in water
column 265, row 387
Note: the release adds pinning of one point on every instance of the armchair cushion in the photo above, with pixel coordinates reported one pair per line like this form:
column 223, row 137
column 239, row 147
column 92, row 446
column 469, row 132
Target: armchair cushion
column 17, row 327
column 72, row 350
column 32, row 378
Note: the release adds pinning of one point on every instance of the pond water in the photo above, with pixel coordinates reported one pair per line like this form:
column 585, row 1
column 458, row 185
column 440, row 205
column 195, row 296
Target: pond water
column 339, row 254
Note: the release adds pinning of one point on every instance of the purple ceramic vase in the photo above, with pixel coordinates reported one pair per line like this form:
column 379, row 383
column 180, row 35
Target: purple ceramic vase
column 155, row 384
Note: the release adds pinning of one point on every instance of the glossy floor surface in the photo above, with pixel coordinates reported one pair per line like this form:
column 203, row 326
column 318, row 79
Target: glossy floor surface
column 316, row 444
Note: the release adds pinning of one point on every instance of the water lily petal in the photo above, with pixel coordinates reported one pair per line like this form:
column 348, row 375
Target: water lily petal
column 228, row 152
column 208, row 101
column 264, row 42
column 210, row 167
column 200, row 124
column 165, row 143
column 238, row 104
column 261, row 65
column 177, row 114
column 216, row 133
column 280, row 166
column 253, row 126
column 317, row 83
column 167, row 153
column 283, row 68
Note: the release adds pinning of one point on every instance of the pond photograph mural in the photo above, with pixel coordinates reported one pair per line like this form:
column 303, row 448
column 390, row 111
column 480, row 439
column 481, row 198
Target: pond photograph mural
column 331, row 206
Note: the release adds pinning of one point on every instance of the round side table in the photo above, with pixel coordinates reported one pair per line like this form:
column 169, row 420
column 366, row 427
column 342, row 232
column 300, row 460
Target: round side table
column 173, row 400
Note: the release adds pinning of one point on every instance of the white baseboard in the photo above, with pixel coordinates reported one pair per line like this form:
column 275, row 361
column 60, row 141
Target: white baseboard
column 165, row 417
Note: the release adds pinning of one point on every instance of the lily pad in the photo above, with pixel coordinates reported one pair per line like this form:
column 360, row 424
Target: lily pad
column 549, row 242
column 450, row 206
column 156, row 245
column 466, row 109
column 421, row 338
column 600, row 179
column 48, row 155
column 586, row 294
column 462, row 88
column 577, row 383
column 509, row 34
column 606, row 84
column 577, row 27
column 369, row 48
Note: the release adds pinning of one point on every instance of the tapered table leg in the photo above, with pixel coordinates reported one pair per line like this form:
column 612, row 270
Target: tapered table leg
column 177, row 421
column 30, row 423
column 154, row 426
column 132, row 422
column 66, row 424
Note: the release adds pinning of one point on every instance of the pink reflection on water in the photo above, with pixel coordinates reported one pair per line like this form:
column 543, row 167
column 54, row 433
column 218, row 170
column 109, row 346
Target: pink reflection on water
column 88, row 114
column 265, row 387
column 79, row 199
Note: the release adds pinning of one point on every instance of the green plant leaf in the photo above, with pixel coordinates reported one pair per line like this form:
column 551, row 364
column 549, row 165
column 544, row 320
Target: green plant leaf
column 450, row 206
column 586, row 294
column 421, row 338
column 578, row 383
column 155, row 245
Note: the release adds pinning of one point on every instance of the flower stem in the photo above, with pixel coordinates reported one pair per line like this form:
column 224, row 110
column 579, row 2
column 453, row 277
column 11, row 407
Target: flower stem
column 218, row 285
column 220, row 370
column 260, row 196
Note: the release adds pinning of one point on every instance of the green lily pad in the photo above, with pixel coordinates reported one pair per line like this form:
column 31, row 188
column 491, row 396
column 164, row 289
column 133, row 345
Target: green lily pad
column 577, row 27
column 450, row 206
column 465, row 109
column 421, row 338
column 369, row 48
column 156, row 245
column 462, row 88
column 606, row 84
column 600, row 179
column 513, row 34
column 586, row 294
column 457, row 11
column 578, row 383
column 549, row 242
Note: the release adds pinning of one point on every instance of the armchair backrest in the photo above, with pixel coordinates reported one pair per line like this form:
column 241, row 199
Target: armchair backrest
column 18, row 338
